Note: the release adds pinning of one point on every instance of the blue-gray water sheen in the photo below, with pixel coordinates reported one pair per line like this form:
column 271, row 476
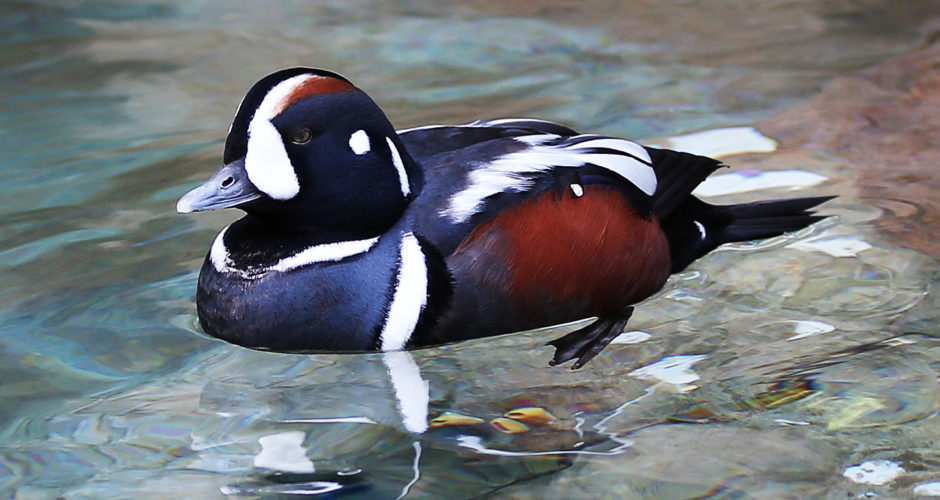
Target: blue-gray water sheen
column 802, row 366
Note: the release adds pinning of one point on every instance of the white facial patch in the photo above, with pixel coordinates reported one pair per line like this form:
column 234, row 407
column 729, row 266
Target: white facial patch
column 359, row 142
column 400, row 167
column 410, row 297
column 268, row 166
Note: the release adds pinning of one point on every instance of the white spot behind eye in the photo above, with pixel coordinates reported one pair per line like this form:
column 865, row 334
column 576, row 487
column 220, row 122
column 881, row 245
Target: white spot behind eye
column 359, row 142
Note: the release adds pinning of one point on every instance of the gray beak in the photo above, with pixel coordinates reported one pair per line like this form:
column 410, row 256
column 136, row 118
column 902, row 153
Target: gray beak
column 229, row 187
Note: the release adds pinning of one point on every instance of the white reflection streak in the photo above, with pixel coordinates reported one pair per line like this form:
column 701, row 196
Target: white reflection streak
column 649, row 391
column 331, row 420
column 414, row 466
column 475, row 443
column 412, row 392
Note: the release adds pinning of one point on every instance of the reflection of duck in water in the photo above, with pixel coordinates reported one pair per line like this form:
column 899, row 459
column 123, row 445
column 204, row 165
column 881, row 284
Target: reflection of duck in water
column 485, row 444
column 358, row 237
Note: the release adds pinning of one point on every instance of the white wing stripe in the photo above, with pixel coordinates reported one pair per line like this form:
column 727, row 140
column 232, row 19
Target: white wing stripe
column 640, row 174
column 513, row 172
column 628, row 147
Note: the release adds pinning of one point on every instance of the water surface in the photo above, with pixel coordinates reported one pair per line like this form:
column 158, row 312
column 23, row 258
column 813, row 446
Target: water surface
column 767, row 369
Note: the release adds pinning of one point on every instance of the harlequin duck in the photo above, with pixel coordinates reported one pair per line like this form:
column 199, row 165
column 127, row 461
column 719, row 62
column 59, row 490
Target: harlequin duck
column 360, row 237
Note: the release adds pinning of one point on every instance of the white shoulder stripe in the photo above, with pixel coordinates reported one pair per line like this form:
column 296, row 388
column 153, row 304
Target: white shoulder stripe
column 410, row 296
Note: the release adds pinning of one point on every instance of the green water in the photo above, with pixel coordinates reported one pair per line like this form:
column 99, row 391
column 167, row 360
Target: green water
column 803, row 363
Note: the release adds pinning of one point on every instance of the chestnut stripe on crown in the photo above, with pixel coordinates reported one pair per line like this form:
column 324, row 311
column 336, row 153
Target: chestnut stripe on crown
column 313, row 85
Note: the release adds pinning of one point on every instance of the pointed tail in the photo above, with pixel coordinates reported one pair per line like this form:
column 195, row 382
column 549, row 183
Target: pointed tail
column 695, row 228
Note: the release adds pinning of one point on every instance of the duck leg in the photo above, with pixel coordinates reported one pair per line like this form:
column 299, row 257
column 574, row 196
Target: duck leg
column 587, row 342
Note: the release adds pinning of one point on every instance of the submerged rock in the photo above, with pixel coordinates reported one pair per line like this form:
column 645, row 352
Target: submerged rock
column 883, row 120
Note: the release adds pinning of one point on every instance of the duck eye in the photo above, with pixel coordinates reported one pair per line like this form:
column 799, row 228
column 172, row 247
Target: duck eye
column 302, row 136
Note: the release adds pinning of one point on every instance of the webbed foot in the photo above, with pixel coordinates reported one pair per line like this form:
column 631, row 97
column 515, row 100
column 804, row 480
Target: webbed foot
column 587, row 342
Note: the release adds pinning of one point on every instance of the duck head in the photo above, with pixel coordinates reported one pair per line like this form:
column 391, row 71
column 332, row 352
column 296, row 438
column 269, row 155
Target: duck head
column 307, row 148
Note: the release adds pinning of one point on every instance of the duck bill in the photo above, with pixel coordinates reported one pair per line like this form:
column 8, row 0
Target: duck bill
column 228, row 188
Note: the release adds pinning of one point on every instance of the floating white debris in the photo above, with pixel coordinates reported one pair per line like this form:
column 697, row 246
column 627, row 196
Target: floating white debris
column 806, row 328
column 787, row 422
column 931, row 489
column 897, row 341
column 840, row 246
column 671, row 369
column 283, row 452
column 634, row 337
column 876, row 472
column 754, row 180
column 722, row 142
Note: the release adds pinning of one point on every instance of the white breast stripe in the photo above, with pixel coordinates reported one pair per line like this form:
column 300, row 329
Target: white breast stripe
column 402, row 175
column 409, row 298
column 327, row 252
column 513, row 172
column 268, row 166
column 218, row 254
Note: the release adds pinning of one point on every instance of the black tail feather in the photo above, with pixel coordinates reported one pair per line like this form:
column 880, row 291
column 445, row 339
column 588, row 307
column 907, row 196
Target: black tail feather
column 695, row 228
column 677, row 174
column 773, row 208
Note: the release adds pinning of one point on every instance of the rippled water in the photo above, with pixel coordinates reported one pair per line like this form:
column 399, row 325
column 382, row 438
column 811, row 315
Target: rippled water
column 768, row 369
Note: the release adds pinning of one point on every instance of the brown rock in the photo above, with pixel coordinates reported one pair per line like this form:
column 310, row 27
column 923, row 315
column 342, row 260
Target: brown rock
column 885, row 121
